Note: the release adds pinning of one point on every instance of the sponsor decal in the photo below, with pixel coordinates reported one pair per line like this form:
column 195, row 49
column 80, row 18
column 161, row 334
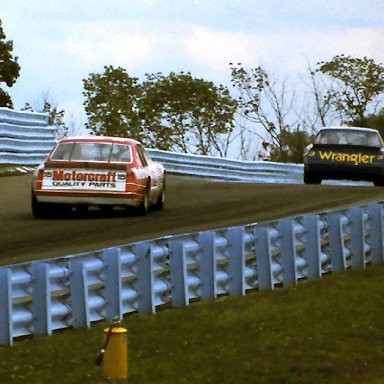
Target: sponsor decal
column 354, row 158
column 82, row 179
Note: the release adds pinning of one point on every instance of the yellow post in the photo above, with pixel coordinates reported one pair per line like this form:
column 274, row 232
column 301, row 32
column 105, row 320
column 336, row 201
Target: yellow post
column 115, row 362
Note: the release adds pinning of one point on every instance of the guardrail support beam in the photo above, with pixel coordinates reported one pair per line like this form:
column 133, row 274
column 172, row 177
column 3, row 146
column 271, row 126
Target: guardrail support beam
column 264, row 259
column 145, row 283
column 336, row 242
column 41, row 299
column 288, row 252
column 357, row 237
column 376, row 228
column 6, row 323
column 208, row 265
column 113, row 282
column 179, row 274
column 79, row 294
column 312, row 246
column 236, row 261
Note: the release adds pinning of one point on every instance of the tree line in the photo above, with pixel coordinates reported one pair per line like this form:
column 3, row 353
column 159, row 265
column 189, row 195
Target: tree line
column 178, row 112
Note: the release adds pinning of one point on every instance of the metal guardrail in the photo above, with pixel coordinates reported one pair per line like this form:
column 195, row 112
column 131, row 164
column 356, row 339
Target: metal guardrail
column 229, row 169
column 25, row 137
column 42, row 296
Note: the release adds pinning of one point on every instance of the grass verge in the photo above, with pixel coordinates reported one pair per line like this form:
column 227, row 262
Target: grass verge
column 14, row 170
column 326, row 331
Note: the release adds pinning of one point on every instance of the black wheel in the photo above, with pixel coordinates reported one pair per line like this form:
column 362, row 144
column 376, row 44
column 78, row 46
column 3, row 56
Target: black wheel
column 160, row 203
column 311, row 178
column 81, row 210
column 41, row 210
column 62, row 210
column 143, row 208
column 378, row 182
column 106, row 209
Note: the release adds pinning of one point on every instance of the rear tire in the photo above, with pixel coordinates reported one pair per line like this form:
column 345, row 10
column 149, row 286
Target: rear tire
column 379, row 182
column 160, row 203
column 143, row 208
column 41, row 210
column 311, row 178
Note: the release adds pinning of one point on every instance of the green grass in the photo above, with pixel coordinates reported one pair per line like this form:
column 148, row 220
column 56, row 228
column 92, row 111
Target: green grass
column 326, row 331
column 14, row 170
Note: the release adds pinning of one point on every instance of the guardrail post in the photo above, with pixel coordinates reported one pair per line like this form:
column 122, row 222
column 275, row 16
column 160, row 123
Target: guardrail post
column 145, row 278
column 264, row 259
column 375, row 212
column 236, row 261
column 288, row 251
column 6, row 323
column 312, row 246
column 336, row 242
column 41, row 299
column 113, row 283
column 179, row 274
column 208, row 265
column 357, row 237
column 79, row 294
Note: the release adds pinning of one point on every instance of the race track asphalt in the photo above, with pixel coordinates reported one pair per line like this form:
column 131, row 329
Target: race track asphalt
column 192, row 205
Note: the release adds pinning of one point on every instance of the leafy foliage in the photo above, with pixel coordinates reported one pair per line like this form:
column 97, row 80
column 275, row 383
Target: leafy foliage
column 9, row 68
column 112, row 103
column 175, row 112
column 55, row 115
column 268, row 103
column 375, row 121
column 292, row 146
column 360, row 82
column 187, row 114
column 250, row 84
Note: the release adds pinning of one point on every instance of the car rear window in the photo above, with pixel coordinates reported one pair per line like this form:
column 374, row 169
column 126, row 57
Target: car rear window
column 349, row 137
column 80, row 151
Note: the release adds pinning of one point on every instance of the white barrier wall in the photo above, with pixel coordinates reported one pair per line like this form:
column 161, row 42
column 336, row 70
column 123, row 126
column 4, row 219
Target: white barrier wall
column 25, row 137
column 229, row 169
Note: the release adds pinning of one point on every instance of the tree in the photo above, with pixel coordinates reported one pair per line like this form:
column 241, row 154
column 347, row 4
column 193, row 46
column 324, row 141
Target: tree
column 55, row 115
column 318, row 102
column 9, row 68
column 292, row 146
column 111, row 103
column 186, row 114
column 265, row 102
column 360, row 82
column 375, row 121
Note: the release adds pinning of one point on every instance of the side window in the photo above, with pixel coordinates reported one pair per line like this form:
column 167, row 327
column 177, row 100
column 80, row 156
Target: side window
column 121, row 153
column 144, row 157
column 374, row 140
column 321, row 138
column 62, row 152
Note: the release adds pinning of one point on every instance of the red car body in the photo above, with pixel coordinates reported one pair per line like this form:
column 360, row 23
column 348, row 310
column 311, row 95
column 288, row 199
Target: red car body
column 97, row 171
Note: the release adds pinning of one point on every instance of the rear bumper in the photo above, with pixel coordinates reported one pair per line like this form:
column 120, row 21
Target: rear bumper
column 97, row 199
column 327, row 171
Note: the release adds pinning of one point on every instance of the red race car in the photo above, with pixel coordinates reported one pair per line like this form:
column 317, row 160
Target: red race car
column 105, row 172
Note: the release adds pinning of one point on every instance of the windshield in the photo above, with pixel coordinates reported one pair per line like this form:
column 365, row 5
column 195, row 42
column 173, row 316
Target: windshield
column 349, row 137
column 106, row 152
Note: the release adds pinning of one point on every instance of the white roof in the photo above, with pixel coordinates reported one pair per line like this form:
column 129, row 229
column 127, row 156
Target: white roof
column 350, row 128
